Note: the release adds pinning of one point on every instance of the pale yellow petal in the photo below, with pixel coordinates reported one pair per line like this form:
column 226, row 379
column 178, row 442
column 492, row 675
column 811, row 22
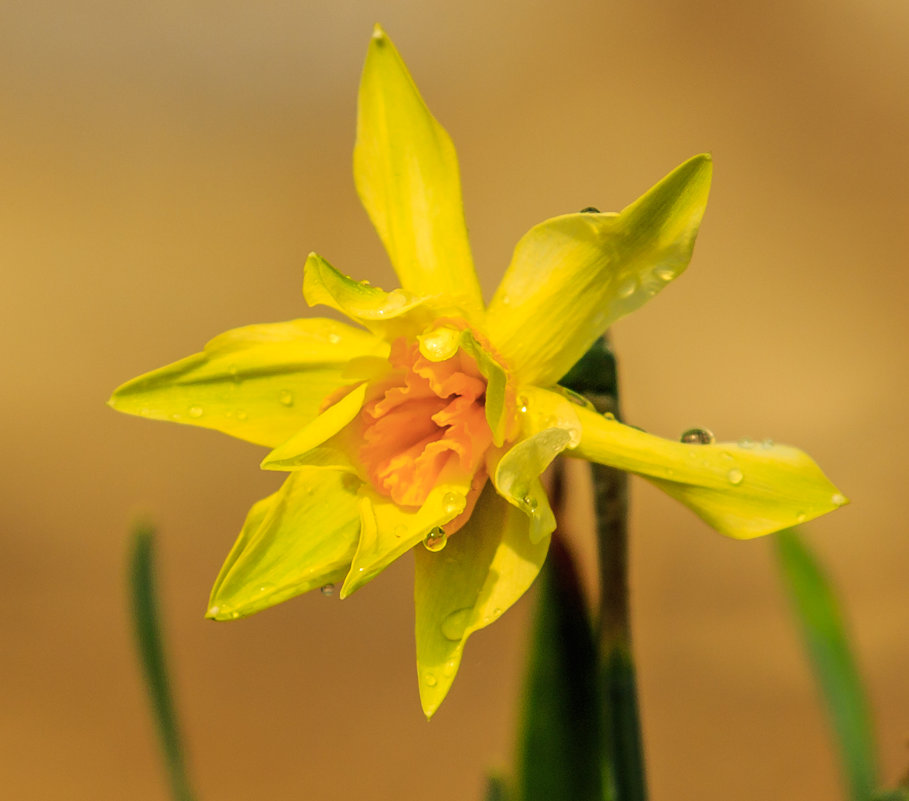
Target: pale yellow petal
column 406, row 172
column 742, row 490
column 571, row 277
column 260, row 383
column 483, row 570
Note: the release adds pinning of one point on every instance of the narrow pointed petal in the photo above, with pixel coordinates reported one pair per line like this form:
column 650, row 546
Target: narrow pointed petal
column 259, row 383
column 571, row 277
column 386, row 314
column 406, row 172
column 741, row 490
column 299, row 538
column 483, row 570
column 387, row 530
column 292, row 454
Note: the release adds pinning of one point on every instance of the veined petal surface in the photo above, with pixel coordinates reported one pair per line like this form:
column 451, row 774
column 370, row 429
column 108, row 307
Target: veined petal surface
column 483, row 570
column 406, row 172
column 260, row 383
column 742, row 490
column 299, row 538
column 571, row 277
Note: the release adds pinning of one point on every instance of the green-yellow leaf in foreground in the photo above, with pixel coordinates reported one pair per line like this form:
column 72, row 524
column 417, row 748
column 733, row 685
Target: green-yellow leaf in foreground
column 426, row 428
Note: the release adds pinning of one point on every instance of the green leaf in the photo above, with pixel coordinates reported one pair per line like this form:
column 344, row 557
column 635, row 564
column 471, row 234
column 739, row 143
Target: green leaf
column 559, row 748
column 819, row 616
column 146, row 621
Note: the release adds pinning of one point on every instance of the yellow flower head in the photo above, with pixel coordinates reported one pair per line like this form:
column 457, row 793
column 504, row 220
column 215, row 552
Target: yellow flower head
column 430, row 422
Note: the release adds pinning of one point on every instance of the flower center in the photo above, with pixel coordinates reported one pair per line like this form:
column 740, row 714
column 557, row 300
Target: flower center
column 426, row 425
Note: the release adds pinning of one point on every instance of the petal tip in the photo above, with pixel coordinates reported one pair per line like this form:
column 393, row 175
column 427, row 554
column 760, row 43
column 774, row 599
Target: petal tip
column 378, row 34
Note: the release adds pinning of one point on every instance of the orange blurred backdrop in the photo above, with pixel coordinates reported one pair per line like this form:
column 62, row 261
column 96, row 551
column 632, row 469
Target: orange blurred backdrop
column 165, row 169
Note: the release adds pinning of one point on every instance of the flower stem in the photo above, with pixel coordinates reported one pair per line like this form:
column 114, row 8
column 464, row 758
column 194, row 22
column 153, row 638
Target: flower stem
column 595, row 377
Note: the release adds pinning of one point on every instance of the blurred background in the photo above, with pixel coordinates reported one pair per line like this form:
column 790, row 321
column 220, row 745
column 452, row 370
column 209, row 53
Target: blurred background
column 165, row 169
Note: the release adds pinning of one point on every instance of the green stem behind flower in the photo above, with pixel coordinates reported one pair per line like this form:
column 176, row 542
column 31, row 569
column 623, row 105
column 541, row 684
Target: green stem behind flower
column 151, row 651
column 595, row 377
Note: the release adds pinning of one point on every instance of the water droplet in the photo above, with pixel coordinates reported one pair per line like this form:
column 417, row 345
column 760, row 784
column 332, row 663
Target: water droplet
column 431, row 680
column 241, row 415
column 327, row 589
column 334, row 339
column 665, row 273
column 626, row 288
column 234, row 373
column 435, row 540
column 590, row 210
column 399, row 530
column 838, row 499
column 698, row 436
column 451, row 502
column 609, row 415
column 496, row 612
column 522, row 404
column 735, row 477
column 801, row 517
column 449, row 668
column 264, row 588
column 195, row 411
column 530, row 502
column 746, row 442
column 767, row 444
column 454, row 625
column 287, row 397
column 214, row 611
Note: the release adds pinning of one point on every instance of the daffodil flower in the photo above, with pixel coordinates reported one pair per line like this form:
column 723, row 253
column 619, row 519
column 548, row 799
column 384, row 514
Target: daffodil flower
column 426, row 425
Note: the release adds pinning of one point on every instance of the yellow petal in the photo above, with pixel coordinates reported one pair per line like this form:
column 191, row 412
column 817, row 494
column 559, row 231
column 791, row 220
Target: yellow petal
column 484, row 569
column 292, row 454
column 302, row 537
column 387, row 314
column 571, row 277
column 742, row 490
column 388, row 530
column 260, row 383
column 406, row 172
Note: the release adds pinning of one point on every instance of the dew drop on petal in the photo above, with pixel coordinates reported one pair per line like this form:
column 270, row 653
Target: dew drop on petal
column 241, row 415
column 234, row 373
column 746, row 442
column 698, row 436
column 430, row 679
column 327, row 589
column 801, row 517
column 287, row 397
column 529, row 502
column 735, row 477
column 449, row 668
column 767, row 444
column 451, row 502
column 838, row 499
column 589, row 210
column 334, row 339
column 626, row 288
column 664, row 273
column 195, row 411
column 455, row 624
column 435, row 540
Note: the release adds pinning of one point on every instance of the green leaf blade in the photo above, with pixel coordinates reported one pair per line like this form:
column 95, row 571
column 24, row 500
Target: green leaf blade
column 559, row 748
column 826, row 641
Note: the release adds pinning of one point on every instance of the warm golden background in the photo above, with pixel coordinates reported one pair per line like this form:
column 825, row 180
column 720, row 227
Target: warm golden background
column 166, row 167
